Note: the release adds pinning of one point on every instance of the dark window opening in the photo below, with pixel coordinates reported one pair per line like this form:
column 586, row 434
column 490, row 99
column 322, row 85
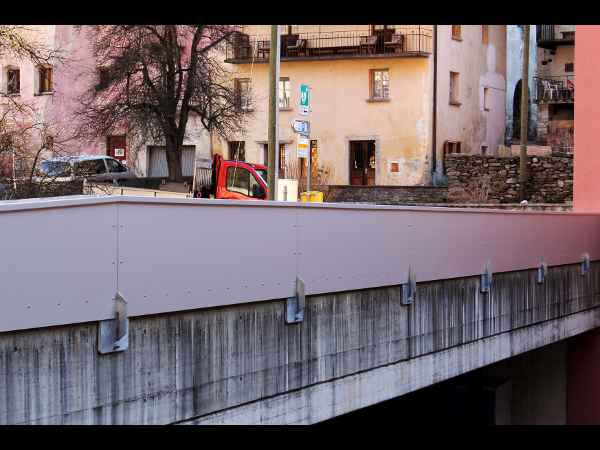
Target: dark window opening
column 237, row 150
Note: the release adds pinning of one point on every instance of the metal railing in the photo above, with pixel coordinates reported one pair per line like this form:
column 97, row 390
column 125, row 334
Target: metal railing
column 553, row 32
column 328, row 43
column 65, row 258
column 554, row 89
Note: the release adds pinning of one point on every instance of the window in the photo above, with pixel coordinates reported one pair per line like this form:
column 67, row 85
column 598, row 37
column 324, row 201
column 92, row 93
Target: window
column 282, row 160
column 48, row 142
column 484, row 34
column 243, row 93
column 486, row 98
column 485, row 150
column 14, row 81
column 380, row 84
column 454, row 88
column 115, row 166
column 241, row 180
column 237, row 150
column 53, row 168
column 103, row 78
column 45, row 74
column 456, row 31
column 89, row 167
column 569, row 67
column 284, row 92
column 451, row 147
column 314, row 161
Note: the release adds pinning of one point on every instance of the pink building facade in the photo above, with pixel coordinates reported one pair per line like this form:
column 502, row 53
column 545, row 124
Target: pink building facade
column 52, row 91
column 584, row 350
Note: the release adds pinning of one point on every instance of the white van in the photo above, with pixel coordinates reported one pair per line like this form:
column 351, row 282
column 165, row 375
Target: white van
column 70, row 168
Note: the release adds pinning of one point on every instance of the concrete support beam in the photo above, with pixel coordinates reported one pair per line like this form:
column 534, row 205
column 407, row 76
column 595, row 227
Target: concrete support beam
column 327, row 400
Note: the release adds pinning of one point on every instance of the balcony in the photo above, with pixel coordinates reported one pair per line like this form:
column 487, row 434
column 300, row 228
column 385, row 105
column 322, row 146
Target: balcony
column 550, row 36
column 397, row 42
column 550, row 90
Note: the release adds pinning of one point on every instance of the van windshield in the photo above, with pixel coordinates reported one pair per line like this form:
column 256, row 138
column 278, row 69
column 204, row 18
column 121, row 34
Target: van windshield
column 55, row 169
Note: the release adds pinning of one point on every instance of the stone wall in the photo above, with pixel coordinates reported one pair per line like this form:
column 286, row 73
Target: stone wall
column 549, row 178
column 391, row 195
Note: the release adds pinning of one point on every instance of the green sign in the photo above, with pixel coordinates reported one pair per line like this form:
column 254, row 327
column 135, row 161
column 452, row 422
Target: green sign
column 304, row 99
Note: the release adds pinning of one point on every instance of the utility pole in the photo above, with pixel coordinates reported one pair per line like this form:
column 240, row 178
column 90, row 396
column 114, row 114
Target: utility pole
column 272, row 174
column 524, row 113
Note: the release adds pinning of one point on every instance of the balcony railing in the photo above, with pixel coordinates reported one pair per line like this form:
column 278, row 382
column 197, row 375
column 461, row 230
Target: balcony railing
column 559, row 89
column 334, row 43
column 549, row 36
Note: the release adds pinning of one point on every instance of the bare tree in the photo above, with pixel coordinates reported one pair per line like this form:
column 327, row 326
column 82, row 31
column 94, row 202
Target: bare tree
column 153, row 78
column 24, row 41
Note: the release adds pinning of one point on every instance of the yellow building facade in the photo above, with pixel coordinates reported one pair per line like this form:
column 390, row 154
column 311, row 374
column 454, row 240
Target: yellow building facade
column 376, row 118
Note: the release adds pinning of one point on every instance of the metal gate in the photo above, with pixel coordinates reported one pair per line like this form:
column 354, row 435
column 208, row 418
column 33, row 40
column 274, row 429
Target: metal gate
column 158, row 161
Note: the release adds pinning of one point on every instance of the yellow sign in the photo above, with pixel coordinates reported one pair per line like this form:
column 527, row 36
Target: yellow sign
column 302, row 147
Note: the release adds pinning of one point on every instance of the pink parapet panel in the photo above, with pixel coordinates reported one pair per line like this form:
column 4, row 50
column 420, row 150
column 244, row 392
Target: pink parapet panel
column 586, row 176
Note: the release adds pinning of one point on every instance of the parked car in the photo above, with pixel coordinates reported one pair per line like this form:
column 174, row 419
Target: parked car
column 70, row 168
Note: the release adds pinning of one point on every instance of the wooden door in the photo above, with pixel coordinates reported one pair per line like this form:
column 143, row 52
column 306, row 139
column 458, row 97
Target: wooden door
column 384, row 34
column 362, row 163
column 118, row 148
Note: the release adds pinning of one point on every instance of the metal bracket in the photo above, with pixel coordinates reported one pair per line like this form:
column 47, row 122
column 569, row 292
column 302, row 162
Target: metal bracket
column 543, row 270
column 409, row 289
column 294, row 306
column 585, row 265
column 113, row 335
column 486, row 278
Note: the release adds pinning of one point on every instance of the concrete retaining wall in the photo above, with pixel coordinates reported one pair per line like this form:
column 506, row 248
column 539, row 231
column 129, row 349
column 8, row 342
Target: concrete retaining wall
column 184, row 366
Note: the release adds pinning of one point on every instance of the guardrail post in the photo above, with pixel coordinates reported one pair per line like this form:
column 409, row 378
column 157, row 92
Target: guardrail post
column 543, row 270
column 409, row 289
column 585, row 265
column 113, row 335
column 486, row 278
column 294, row 306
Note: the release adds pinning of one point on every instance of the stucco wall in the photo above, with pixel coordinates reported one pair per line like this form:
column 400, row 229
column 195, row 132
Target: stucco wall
column 514, row 73
column 479, row 66
column 340, row 113
column 403, row 127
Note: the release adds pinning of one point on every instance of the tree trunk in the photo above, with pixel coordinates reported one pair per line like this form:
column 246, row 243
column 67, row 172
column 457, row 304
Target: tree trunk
column 174, row 156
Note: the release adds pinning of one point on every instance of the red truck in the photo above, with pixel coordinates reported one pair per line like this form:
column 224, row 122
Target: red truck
column 229, row 179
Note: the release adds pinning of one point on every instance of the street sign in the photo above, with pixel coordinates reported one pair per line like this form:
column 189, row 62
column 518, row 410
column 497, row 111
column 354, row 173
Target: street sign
column 300, row 126
column 304, row 99
column 302, row 147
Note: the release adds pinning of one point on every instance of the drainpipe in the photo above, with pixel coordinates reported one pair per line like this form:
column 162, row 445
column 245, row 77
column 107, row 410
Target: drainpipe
column 434, row 138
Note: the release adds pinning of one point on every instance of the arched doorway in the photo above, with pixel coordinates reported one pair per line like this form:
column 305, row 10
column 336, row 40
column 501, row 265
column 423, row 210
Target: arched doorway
column 516, row 128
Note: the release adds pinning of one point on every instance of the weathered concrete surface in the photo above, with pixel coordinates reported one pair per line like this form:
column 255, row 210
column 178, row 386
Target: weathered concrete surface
column 583, row 376
column 539, row 384
column 352, row 350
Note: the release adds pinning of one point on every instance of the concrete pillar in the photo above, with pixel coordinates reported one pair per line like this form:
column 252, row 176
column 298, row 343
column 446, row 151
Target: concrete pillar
column 476, row 397
column 584, row 379
column 584, row 350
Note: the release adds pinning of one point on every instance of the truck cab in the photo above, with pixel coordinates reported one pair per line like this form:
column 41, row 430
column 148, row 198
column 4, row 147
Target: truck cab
column 234, row 180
